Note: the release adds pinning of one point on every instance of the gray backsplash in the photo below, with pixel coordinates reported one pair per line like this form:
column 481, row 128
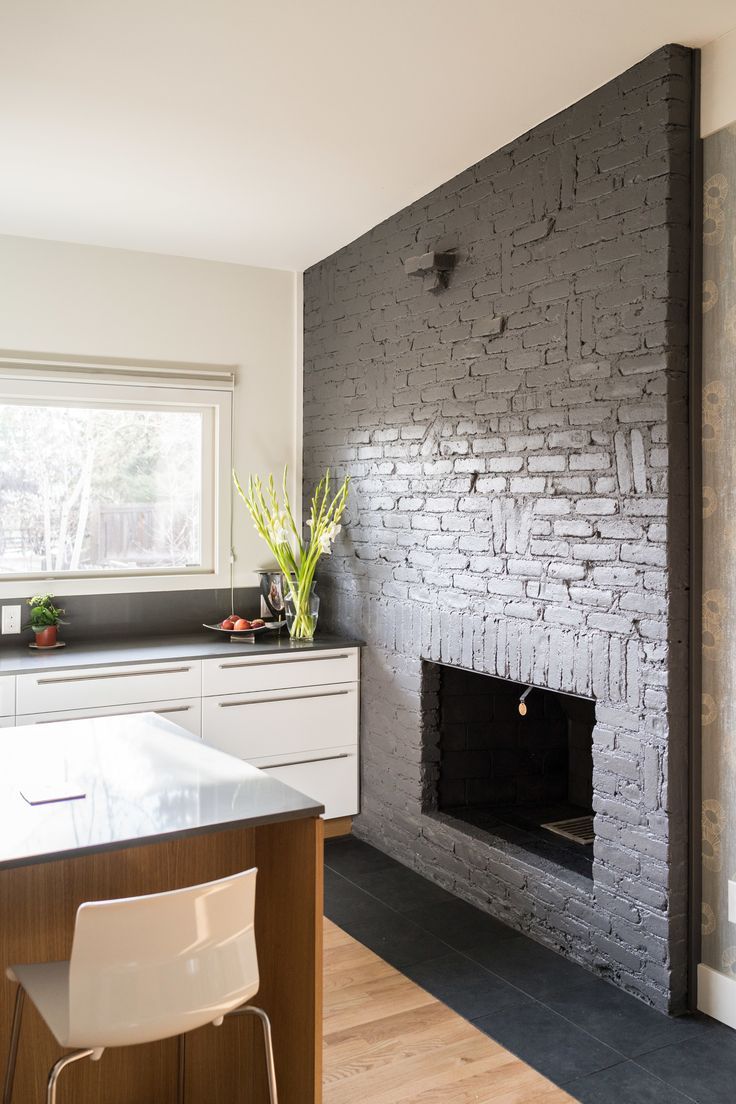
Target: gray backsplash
column 159, row 613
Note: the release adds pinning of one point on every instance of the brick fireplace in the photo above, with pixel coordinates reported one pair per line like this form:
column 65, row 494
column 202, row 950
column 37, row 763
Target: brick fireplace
column 517, row 438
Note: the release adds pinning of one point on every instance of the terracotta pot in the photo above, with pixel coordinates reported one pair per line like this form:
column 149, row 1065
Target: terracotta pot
column 46, row 638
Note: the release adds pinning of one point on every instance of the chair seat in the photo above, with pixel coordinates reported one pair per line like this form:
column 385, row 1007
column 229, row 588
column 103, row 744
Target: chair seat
column 47, row 984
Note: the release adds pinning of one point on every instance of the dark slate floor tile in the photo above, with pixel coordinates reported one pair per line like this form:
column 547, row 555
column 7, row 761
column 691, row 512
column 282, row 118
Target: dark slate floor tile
column 353, row 858
column 625, row 1083
column 460, row 924
column 396, row 939
column 345, row 903
column 703, row 1068
column 464, row 986
column 404, row 890
column 621, row 1020
column 534, row 969
column 547, row 1042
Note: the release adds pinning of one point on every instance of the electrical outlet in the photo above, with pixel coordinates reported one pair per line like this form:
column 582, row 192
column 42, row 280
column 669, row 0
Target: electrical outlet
column 732, row 902
column 11, row 619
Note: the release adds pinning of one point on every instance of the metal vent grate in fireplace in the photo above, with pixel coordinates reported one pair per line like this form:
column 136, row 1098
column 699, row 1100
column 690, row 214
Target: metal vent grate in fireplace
column 579, row 829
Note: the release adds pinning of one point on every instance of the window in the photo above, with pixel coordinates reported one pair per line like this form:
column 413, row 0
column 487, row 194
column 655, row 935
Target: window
column 113, row 480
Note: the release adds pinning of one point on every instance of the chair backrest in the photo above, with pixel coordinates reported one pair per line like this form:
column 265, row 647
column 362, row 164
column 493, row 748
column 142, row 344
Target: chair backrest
column 145, row 968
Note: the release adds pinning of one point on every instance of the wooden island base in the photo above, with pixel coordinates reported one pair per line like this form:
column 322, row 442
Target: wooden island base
column 225, row 1065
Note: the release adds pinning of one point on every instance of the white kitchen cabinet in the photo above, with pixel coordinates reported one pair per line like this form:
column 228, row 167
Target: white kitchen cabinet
column 186, row 712
column 295, row 716
column 331, row 779
column 91, row 688
column 243, row 674
column 7, row 695
column 7, row 722
column 282, row 722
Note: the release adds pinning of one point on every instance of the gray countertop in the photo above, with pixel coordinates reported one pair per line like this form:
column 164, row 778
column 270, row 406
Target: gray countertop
column 144, row 780
column 204, row 645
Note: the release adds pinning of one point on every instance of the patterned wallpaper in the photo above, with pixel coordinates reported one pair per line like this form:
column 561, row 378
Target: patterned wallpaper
column 719, row 548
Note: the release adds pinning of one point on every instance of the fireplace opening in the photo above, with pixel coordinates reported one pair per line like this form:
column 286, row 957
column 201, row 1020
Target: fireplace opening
column 514, row 762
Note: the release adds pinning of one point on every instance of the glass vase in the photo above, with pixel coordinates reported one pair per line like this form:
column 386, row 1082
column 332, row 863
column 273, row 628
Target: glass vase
column 302, row 613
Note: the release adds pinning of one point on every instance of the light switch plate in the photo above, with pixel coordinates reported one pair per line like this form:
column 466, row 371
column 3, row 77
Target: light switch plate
column 11, row 619
column 732, row 902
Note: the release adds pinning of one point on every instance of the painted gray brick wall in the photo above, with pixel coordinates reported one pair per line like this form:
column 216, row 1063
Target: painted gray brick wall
column 518, row 448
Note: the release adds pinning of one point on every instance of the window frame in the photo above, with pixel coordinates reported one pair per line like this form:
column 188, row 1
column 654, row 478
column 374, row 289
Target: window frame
column 141, row 393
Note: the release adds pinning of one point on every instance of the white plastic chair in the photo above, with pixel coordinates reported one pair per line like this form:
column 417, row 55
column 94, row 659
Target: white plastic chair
column 144, row 969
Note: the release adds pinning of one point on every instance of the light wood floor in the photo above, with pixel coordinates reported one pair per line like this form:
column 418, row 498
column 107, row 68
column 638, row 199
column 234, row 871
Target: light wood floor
column 389, row 1042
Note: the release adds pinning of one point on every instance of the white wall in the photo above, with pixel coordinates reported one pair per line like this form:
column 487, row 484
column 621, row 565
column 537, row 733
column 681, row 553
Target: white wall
column 718, row 84
column 57, row 297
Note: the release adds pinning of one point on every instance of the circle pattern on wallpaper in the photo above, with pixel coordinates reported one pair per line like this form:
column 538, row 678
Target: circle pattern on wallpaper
column 714, row 394
column 712, row 640
column 713, row 611
column 710, row 501
column 715, row 191
column 710, row 295
column 713, row 820
column 728, row 961
column 714, row 225
column 709, row 710
column 708, row 920
column 714, row 601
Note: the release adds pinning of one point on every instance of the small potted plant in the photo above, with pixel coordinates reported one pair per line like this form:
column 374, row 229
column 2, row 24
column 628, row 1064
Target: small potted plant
column 44, row 620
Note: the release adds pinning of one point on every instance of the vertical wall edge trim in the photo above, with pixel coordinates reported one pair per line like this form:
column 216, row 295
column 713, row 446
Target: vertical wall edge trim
column 696, row 537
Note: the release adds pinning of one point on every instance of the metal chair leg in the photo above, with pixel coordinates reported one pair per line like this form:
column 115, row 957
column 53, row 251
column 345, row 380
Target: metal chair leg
column 20, row 997
column 181, row 1076
column 253, row 1010
column 57, row 1068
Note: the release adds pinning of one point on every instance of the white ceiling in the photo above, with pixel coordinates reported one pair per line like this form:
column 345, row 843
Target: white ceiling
column 274, row 132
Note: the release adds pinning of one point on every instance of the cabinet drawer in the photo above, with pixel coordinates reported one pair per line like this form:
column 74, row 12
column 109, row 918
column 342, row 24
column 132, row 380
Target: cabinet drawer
column 7, row 695
column 282, row 722
column 333, row 781
column 103, row 686
column 186, row 713
column 243, row 674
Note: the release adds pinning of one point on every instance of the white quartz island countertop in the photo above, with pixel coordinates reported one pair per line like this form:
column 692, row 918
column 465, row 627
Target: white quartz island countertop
column 144, row 780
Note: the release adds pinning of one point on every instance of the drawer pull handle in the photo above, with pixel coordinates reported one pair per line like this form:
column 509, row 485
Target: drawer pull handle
column 301, row 762
column 112, row 675
column 129, row 713
column 290, row 659
column 287, row 697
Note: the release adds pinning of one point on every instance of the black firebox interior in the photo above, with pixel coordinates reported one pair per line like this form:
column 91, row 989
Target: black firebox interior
column 512, row 764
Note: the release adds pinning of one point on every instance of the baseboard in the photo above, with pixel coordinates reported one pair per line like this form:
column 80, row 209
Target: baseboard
column 338, row 826
column 717, row 995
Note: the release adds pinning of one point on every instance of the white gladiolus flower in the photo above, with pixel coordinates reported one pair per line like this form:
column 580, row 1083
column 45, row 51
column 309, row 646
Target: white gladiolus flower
column 328, row 538
column 278, row 530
